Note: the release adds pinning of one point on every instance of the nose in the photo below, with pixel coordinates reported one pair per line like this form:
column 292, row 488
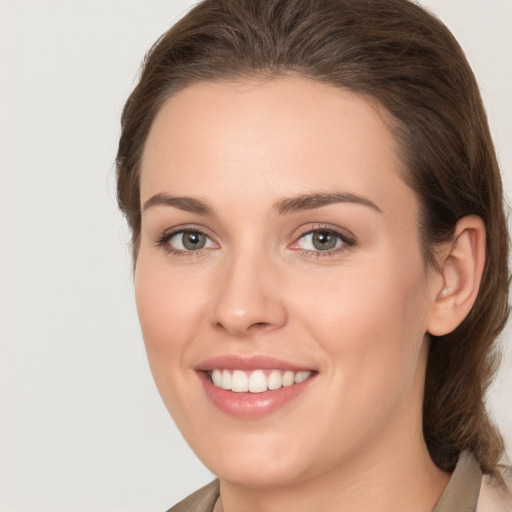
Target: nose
column 247, row 298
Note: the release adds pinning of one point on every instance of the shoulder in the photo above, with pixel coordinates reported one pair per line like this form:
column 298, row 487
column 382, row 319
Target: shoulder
column 495, row 497
column 202, row 500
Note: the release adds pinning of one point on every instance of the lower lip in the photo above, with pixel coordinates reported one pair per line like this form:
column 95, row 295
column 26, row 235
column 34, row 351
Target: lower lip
column 252, row 405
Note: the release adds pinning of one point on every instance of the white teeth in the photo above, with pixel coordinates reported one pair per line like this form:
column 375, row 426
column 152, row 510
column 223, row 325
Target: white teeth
column 239, row 382
column 288, row 379
column 226, row 380
column 275, row 381
column 301, row 376
column 217, row 378
column 256, row 381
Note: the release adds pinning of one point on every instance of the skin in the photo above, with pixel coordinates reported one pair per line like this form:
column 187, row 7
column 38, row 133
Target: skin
column 358, row 316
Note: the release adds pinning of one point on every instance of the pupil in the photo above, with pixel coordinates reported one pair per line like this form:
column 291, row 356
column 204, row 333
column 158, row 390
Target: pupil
column 323, row 240
column 194, row 241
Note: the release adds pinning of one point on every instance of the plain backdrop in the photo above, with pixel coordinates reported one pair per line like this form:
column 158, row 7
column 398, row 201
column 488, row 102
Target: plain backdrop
column 82, row 427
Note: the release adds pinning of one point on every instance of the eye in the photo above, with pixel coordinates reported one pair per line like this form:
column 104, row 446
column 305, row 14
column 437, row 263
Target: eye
column 323, row 240
column 320, row 241
column 186, row 241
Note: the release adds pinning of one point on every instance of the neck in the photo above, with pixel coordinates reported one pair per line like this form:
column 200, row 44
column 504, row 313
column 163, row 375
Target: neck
column 389, row 471
column 381, row 481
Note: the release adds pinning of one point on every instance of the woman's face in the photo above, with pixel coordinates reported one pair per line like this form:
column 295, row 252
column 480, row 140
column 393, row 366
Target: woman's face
column 279, row 242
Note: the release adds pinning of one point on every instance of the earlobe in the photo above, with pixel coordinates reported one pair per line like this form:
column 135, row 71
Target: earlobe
column 461, row 264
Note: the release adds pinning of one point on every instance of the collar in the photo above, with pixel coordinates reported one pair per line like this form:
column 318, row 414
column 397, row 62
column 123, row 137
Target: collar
column 461, row 493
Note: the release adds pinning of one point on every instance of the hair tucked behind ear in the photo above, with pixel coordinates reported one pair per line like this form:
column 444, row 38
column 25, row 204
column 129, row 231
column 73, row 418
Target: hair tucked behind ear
column 396, row 53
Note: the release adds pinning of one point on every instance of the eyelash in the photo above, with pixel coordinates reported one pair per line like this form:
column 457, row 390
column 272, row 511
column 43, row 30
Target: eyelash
column 347, row 241
column 163, row 241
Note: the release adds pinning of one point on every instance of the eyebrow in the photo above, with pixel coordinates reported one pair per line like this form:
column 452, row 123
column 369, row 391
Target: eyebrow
column 187, row 204
column 283, row 206
column 312, row 201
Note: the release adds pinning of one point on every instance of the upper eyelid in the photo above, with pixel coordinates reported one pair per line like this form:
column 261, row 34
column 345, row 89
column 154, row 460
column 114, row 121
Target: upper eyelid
column 312, row 227
column 184, row 228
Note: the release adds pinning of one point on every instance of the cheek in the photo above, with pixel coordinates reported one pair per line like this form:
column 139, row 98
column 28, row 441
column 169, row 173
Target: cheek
column 371, row 321
column 168, row 308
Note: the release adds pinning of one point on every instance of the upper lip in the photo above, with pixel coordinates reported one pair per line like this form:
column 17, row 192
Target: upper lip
column 232, row 362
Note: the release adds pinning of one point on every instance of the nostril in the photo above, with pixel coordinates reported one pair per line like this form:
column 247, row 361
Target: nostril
column 259, row 325
column 242, row 330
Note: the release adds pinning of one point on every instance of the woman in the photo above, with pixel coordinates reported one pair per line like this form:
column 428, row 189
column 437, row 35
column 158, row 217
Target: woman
column 320, row 254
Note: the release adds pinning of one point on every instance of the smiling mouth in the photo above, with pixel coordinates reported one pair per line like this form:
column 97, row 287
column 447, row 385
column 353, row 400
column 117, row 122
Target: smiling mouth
column 256, row 381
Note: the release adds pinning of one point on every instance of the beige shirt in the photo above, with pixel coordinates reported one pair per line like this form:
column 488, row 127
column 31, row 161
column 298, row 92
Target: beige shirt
column 461, row 494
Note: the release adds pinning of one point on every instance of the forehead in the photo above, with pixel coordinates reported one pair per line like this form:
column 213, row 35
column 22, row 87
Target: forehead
column 274, row 137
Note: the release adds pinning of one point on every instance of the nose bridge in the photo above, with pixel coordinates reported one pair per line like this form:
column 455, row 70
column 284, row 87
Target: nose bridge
column 247, row 297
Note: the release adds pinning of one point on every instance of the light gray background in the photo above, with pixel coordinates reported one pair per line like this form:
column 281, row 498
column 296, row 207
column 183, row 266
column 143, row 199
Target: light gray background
column 81, row 424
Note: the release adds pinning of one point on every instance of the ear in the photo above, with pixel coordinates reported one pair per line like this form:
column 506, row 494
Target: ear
column 455, row 286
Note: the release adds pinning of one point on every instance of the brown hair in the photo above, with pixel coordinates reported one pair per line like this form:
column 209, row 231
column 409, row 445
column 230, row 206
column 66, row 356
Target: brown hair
column 396, row 53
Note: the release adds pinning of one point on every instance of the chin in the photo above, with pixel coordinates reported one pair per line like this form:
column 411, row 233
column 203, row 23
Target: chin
column 254, row 459
column 262, row 474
